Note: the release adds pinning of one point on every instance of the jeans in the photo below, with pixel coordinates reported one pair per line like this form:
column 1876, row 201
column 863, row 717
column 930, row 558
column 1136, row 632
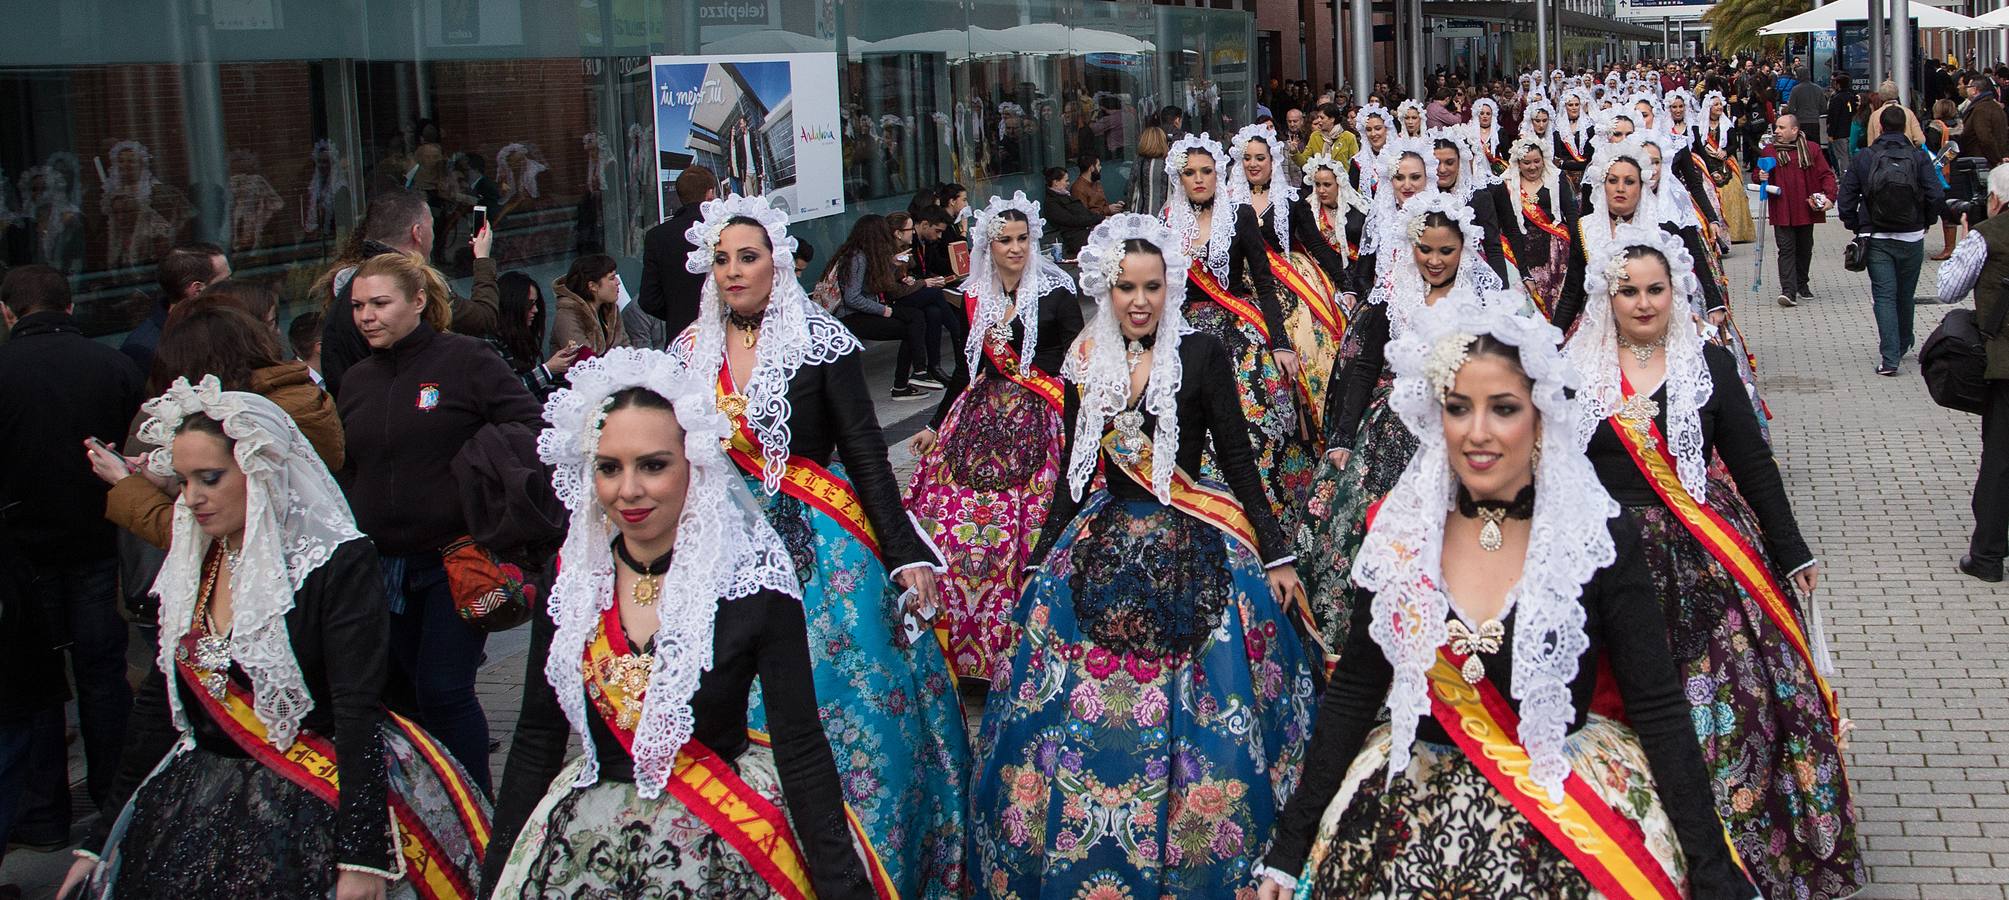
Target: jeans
column 434, row 657
column 1893, row 284
column 1796, row 258
column 87, row 593
column 1991, row 487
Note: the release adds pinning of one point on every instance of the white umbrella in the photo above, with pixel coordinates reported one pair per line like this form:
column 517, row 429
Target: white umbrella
column 1054, row 38
column 1823, row 18
column 1995, row 19
column 955, row 44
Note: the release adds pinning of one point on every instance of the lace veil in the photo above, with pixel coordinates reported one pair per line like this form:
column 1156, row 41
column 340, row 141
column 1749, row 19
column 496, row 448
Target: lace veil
column 294, row 519
column 1593, row 349
column 1384, row 220
column 1594, row 225
column 1184, row 217
column 1489, row 141
column 1041, row 275
column 725, row 550
column 794, row 331
column 1096, row 365
column 1528, row 121
column 1399, row 283
column 1551, row 177
column 1401, row 560
column 1422, row 118
column 1282, row 195
column 1474, row 173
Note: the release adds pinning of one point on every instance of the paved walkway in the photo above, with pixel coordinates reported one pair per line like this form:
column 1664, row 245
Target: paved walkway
column 1880, row 479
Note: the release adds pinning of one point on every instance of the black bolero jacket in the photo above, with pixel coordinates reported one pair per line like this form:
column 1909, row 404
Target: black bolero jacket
column 339, row 627
column 1210, row 412
column 1249, row 263
column 1059, row 324
column 1626, row 630
column 1305, row 236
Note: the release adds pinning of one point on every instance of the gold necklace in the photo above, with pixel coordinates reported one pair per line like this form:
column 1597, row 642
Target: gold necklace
column 648, row 578
column 1642, row 352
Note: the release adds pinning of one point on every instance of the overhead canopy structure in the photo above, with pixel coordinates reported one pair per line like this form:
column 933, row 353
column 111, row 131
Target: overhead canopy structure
column 1500, row 11
column 1995, row 19
column 1823, row 18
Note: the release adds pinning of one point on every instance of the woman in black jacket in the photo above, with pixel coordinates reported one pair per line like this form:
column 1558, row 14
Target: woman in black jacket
column 407, row 410
column 269, row 687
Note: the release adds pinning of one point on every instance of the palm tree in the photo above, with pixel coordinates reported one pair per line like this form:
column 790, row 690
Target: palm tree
column 1734, row 24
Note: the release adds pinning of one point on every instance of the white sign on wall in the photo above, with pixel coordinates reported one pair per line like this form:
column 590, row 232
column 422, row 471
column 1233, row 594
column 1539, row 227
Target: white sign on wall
column 765, row 124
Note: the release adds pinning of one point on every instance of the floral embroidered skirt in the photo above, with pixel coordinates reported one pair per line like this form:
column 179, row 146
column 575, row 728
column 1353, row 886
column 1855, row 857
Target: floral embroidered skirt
column 260, row 834
column 1335, row 521
column 605, row 840
column 1442, row 830
column 1270, row 404
column 1737, row 209
column 1549, row 272
column 1154, row 720
column 1317, row 346
column 1766, row 737
column 889, row 706
column 980, row 494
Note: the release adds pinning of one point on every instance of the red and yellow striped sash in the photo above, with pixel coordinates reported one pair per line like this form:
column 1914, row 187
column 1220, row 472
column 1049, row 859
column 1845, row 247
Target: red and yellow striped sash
column 1246, row 310
column 1327, row 226
column 1540, row 217
column 310, row 763
column 1609, row 849
column 1721, row 539
column 804, row 480
column 616, row 680
column 1005, row 357
column 1315, row 292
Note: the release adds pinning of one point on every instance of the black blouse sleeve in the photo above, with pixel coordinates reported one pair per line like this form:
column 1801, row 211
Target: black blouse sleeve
column 150, row 734
column 1744, row 451
column 1345, row 407
column 1248, row 244
column 536, row 751
column 354, row 629
column 1352, row 703
column 1635, row 641
column 1360, row 279
column 1694, row 178
column 1305, row 234
column 1061, row 511
column 1486, row 215
column 862, row 446
column 1229, row 428
column 1564, row 160
column 1712, row 294
column 1570, row 306
column 1060, row 323
column 802, row 753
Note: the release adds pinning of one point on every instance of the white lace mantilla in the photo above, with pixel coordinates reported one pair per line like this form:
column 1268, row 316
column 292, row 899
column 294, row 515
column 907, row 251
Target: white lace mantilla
column 985, row 289
column 1241, row 190
column 794, row 331
column 1183, row 215
column 1399, row 283
column 294, row 519
column 725, row 550
column 1096, row 363
column 1384, row 222
column 1593, row 349
column 1401, row 560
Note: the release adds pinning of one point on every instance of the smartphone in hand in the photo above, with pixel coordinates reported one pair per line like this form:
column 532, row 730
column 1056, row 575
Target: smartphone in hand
column 480, row 218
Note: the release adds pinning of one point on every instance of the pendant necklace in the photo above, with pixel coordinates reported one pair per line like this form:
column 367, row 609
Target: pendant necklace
column 212, row 651
column 747, row 326
column 1129, row 424
column 1494, row 512
column 1643, row 353
column 649, row 586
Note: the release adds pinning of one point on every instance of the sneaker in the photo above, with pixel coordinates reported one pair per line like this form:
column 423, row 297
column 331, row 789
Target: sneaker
column 902, row 392
column 1886, row 371
column 1974, row 568
column 939, row 375
column 1806, row 294
column 1787, row 300
column 925, row 380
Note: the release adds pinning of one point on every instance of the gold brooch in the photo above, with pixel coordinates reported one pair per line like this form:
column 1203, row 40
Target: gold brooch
column 733, row 405
column 1637, row 414
column 1470, row 644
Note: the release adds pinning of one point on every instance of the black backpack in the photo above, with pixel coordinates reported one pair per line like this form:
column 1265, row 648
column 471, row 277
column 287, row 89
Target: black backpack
column 1954, row 360
column 1893, row 191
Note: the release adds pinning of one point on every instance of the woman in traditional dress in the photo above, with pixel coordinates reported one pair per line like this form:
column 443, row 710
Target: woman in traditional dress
column 1463, row 173
column 1307, row 268
column 1376, row 127
column 1439, row 245
column 1233, row 297
column 1337, row 212
column 1721, row 165
column 1573, row 134
column 271, row 665
column 1155, row 706
column 1539, row 213
column 1485, row 131
column 791, row 384
column 674, row 594
column 1620, row 192
column 1502, row 579
column 990, row 458
column 1409, row 114
column 1726, row 559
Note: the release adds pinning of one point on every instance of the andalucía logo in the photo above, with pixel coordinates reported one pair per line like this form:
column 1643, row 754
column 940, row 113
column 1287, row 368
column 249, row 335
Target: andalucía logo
column 817, row 134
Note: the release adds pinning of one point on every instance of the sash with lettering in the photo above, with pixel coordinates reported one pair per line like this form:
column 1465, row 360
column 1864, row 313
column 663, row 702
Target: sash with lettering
column 1246, row 310
column 1212, row 505
column 616, row 679
column 805, row 480
column 1317, row 292
column 1643, row 442
column 1609, row 849
column 1005, row 357
column 310, row 764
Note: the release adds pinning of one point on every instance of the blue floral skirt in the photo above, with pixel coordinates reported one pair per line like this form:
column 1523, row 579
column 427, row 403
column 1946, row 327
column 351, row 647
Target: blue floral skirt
column 1152, row 722
column 889, row 706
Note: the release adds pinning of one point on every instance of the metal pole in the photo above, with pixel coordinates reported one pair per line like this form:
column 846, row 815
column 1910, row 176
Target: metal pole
column 1363, row 48
column 1666, row 37
column 1876, row 34
column 1901, row 47
column 1417, row 55
column 1542, row 66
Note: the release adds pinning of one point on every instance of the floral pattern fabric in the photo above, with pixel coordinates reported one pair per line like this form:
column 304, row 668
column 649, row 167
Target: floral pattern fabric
column 261, row 835
column 1766, row 738
column 889, row 706
column 980, row 494
column 1443, row 830
column 1269, row 405
column 1317, row 347
column 1154, row 765
column 1335, row 520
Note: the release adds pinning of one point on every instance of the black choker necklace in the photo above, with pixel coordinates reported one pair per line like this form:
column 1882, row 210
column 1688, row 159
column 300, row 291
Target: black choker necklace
column 649, row 586
column 745, row 322
column 1493, row 512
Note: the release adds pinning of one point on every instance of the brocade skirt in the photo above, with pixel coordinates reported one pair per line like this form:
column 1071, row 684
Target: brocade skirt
column 1335, row 520
column 1317, row 346
column 1270, row 405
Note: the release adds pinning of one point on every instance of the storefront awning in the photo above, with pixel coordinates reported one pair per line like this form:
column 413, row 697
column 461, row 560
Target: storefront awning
column 1524, row 13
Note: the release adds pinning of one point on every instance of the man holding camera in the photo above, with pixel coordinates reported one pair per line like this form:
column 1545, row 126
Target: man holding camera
column 1799, row 189
column 1890, row 196
column 1981, row 263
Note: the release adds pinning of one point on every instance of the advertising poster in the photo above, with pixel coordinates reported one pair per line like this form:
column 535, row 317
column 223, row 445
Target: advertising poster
column 765, row 124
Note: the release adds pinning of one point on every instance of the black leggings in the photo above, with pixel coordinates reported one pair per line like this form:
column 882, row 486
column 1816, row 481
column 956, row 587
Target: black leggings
column 932, row 304
column 908, row 325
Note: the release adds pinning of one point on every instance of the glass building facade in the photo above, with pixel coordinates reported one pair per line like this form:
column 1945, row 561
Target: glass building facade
column 127, row 126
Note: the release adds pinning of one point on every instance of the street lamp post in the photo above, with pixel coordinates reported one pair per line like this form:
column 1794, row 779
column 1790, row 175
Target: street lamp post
column 1542, row 37
column 1876, row 34
column 1363, row 45
column 1900, row 48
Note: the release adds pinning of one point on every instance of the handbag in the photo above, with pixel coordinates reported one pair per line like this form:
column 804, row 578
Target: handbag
column 1954, row 359
column 488, row 593
column 1855, row 256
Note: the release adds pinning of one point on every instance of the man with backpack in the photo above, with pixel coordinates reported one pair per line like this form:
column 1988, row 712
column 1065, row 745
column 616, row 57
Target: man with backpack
column 1890, row 196
column 1981, row 264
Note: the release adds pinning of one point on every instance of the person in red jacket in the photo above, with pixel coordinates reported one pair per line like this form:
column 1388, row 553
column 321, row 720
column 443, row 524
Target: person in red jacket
column 1799, row 191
